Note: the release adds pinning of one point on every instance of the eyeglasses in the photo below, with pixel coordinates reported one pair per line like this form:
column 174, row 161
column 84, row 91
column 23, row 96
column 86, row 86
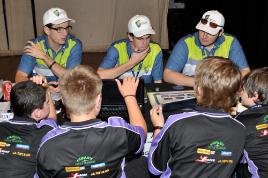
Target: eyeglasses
column 61, row 29
column 211, row 24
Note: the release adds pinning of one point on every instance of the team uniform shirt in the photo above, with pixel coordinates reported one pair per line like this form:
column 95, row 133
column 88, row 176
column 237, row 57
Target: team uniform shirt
column 179, row 60
column 19, row 142
column 148, row 75
column 256, row 121
column 203, row 143
column 30, row 66
column 90, row 148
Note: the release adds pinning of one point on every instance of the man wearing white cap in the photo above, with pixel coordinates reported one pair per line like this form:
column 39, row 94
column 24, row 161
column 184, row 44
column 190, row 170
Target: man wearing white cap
column 210, row 40
column 53, row 53
column 136, row 56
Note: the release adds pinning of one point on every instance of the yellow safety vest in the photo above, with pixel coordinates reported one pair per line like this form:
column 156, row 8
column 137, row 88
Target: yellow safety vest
column 62, row 57
column 195, row 52
column 148, row 62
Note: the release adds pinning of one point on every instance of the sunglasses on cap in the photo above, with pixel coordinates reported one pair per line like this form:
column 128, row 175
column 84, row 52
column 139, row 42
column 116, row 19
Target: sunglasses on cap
column 211, row 24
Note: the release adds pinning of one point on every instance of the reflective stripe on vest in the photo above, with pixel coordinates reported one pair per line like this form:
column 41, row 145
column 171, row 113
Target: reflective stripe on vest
column 195, row 52
column 62, row 57
column 148, row 62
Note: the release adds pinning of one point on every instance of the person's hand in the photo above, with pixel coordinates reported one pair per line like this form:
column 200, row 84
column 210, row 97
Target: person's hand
column 138, row 56
column 128, row 87
column 34, row 50
column 157, row 116
column 40, row 80
column 54, row 87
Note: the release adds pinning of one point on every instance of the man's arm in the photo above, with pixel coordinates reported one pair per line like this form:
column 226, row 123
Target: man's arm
column 111, row 72
column 244, row 72
column 21, row 76
column 238, row 57
column 157, row 70
column 178, row 78
column 52, row 109
column 36, row 51
column 128, row 91
column 176, row 63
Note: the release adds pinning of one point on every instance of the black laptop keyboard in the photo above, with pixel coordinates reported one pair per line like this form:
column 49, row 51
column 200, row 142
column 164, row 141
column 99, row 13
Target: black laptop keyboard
column 107, row 112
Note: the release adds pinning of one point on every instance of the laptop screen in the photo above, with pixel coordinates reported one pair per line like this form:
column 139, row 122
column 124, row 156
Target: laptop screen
column 111, row 95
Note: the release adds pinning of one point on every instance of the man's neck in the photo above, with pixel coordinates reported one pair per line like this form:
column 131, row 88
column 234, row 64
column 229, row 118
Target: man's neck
column 210, row 47
column 56, row 47
column 82, row 117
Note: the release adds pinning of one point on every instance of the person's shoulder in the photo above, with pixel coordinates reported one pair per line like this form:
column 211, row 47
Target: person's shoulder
column 39, row 38
column 74, row 38
column 120, row 41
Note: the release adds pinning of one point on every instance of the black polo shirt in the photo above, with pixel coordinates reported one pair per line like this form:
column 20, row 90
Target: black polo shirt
column 256, row 147
column 204, row 143
column 19, row 142
column 90, row 148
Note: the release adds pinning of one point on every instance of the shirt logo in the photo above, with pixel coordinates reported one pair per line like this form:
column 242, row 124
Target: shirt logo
column 84, row 160
column 13, row 139
column 265, row 119
column 23, row 147
column 217, row 145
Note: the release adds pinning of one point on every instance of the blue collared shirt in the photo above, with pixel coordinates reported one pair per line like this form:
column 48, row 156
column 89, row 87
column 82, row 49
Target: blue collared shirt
column 179, row 55
column 28, row 63
column 112, row 57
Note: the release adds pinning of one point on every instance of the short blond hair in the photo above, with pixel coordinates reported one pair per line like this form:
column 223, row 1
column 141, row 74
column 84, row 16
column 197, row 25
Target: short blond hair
column 219, row 80
column 79, row 88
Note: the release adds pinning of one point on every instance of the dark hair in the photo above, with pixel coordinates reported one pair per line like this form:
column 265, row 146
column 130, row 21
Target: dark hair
column 257, row 82
column 219, row 80
column 49, row 25
column 25, row 97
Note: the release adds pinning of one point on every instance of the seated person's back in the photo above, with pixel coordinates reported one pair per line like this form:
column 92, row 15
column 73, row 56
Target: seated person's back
column 20, row 137
column 87, row 146
column 207, row 142
column 255, row 96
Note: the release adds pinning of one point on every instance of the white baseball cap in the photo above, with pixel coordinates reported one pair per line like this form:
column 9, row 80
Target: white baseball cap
column 56, row 16
column 140, row 25
column 212, row 22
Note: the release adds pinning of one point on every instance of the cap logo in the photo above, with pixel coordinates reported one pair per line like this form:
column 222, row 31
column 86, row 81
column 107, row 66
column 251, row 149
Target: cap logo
column 207, row 16
column 56, row 12
column 139, row 23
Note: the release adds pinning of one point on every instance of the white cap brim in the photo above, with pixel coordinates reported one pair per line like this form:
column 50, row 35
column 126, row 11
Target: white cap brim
column 207, row 29
column 62, row 20
column 144, row 32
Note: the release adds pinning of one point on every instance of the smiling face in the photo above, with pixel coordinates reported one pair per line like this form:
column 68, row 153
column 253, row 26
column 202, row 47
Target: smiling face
column 57, row 34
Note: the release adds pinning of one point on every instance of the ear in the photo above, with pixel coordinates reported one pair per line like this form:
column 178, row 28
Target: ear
column 255, row 97
column 221, row 32
column 130, row 37
column 36, row 114
column 98, row 101
column 46, row 30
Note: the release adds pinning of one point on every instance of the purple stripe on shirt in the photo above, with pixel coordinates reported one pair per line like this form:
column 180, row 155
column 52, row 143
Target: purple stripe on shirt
column 47, row 121
column 252, row 168
column 172, row 119
column 51, row 134
column 120, row 122
column 123, row 164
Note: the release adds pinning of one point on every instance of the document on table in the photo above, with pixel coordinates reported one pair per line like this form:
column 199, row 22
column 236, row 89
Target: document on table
column 159, row 98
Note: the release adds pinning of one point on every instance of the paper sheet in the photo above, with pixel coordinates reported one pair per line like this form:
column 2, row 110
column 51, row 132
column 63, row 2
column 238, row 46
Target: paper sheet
column 158, row 98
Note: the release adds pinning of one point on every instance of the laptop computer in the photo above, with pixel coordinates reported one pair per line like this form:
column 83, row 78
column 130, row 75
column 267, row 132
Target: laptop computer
column 113, row 103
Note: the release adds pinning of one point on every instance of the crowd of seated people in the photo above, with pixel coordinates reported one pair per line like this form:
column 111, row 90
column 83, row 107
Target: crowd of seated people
column 204, row 142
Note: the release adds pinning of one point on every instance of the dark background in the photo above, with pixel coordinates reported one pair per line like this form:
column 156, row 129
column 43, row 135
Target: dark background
column 247, row 20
